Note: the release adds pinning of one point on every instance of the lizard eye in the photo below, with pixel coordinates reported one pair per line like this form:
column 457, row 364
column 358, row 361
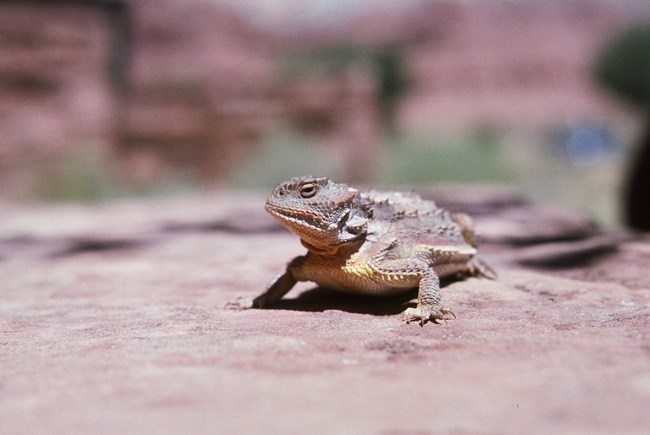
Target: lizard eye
column 308, row 190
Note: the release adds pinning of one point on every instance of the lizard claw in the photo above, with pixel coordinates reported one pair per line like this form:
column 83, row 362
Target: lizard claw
column 423, row 314
column 241, row 303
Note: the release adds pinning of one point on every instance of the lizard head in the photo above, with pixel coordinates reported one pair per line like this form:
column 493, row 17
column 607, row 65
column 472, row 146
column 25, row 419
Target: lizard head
column 319, row 211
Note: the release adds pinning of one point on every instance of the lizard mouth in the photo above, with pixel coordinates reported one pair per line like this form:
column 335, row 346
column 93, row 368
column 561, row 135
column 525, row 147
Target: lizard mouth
column 294, row 218
column 316, row 233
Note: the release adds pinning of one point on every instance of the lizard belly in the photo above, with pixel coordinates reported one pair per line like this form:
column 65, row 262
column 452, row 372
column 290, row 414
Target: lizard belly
column 354, row 277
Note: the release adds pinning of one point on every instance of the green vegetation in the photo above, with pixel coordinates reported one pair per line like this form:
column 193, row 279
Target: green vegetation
column 81, row 176
column 88, row 176
column 285, row 154
column 623, row 66
column 474, row 157
column 480, row 156
column 404, row 159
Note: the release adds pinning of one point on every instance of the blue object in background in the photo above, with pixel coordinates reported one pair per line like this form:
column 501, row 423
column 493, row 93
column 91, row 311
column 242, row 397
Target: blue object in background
column 587, row 143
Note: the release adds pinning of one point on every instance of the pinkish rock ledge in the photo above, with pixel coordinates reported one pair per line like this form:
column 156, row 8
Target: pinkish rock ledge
column 111, row 321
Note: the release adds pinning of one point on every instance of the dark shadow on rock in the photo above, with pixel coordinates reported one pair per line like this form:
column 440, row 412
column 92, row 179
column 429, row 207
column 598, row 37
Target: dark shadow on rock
column 81, row 246
column 486, row 201
column 320, row 299
column 241, row 225
column 13, row 244
column 18, row 240
column 568, row 261
column 572, row 254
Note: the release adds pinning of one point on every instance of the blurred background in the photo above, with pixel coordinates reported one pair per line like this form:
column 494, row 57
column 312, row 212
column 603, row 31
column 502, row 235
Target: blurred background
column 114, row 98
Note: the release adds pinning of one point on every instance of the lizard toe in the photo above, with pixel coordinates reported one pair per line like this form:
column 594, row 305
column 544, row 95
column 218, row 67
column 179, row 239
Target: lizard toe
column 242, row 303
column 424, row 314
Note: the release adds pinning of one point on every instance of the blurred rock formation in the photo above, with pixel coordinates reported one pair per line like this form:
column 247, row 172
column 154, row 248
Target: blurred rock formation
column 158, row 85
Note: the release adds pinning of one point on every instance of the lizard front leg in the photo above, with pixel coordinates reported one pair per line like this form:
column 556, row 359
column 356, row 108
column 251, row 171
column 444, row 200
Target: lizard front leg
column 279, row 287
column 428, row 307
column 419, row 272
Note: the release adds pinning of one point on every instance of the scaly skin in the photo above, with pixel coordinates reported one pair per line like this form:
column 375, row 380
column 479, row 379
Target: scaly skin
column 377, row 243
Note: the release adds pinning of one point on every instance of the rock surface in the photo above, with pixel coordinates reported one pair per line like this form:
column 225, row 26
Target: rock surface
column 112, row 321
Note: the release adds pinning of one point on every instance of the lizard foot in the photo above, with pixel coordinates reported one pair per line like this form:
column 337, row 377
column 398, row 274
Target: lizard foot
column 243, row 303
column 423, row 314
column 478, row 267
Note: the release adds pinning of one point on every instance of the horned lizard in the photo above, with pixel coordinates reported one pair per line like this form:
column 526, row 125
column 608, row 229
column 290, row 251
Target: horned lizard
column 378, row 243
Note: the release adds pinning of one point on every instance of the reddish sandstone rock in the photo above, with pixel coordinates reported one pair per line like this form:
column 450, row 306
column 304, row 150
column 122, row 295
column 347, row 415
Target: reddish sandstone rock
column 111, row 321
